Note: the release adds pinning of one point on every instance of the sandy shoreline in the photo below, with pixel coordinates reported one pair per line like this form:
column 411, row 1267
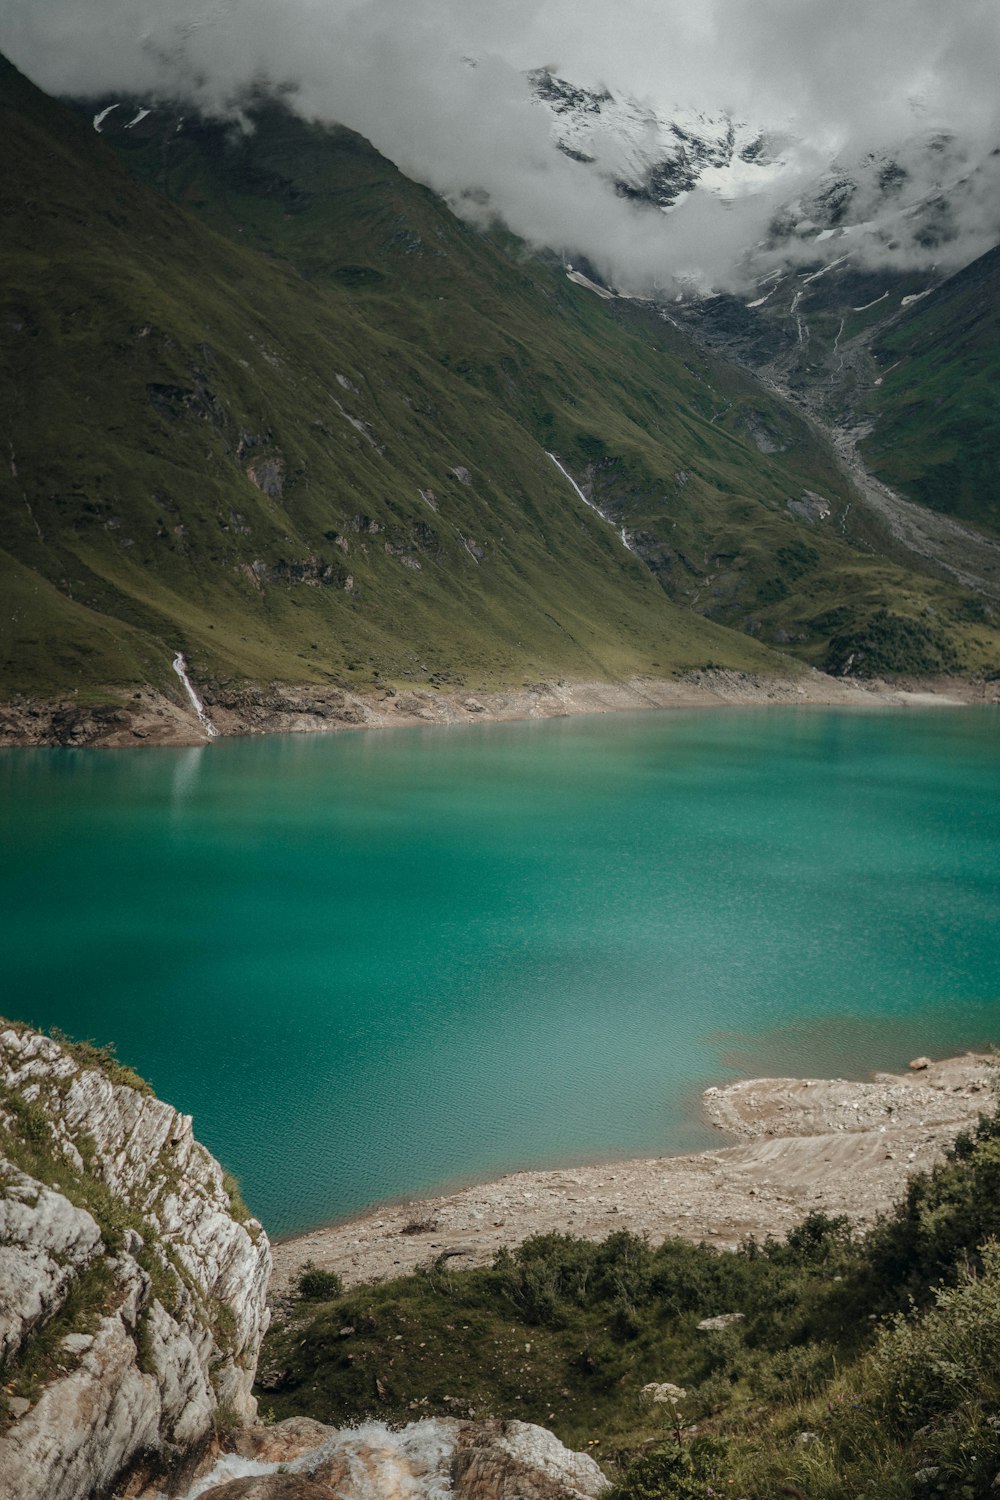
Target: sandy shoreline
column 150, row 718
column 804, row 1144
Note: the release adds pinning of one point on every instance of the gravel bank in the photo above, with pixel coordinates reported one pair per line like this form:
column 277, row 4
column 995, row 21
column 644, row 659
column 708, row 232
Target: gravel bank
column 805, row 1144
column 149, row 718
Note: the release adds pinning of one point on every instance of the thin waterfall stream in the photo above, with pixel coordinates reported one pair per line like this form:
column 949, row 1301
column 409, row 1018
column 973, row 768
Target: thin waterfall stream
column 623, row 535
column 180, row 667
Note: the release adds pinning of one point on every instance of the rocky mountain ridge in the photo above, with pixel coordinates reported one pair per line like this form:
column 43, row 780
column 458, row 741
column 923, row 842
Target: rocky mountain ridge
column 891, row 209
column 834, row 291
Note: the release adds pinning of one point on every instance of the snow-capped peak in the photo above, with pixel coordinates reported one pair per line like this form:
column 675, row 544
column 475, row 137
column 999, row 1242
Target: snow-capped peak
column 657, row 156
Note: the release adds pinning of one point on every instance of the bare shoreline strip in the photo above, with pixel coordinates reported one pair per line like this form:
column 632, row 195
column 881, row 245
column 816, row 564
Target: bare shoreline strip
column 150, row 718
column 806, row 1145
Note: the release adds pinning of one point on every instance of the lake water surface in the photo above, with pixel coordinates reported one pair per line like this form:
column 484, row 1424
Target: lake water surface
column 372, row 964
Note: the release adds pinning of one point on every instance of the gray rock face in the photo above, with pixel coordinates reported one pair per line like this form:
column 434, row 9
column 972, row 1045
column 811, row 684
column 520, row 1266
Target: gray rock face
column 119, row 1235
column 44, row 1244
column 491, row 1460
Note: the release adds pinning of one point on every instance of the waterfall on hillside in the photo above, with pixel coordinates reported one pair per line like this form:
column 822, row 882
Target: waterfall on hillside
column 622, row 533
column 180, row 667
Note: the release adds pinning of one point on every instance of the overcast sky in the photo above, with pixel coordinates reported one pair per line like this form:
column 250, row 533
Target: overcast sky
column 844, row 76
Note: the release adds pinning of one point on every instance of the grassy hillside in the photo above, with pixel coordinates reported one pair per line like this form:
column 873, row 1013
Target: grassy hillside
column 858, row 1368
column 306, row 440
column 206, row 453
column 715, row 480
column 937, row 428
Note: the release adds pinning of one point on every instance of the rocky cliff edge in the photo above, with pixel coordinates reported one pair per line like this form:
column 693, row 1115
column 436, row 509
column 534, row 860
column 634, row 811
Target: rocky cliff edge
column 132, row 1280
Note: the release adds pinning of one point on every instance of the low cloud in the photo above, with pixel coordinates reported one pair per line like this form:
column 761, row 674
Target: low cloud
column 844, row 81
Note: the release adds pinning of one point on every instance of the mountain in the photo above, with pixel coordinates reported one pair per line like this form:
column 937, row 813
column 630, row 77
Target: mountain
column 936, row 424
column 847, row 311
column 271, row 404
column 848, row 246
column 751, row 581
column 888, row 207
column 900, row 370
column 654, row 156
column 210, row 451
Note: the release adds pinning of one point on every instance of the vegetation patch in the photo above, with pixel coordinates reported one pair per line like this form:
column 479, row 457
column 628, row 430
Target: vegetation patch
column 92, row 1295
column 937, row 428
column 891, row 644
column 858, row 1367
column 103, row 1058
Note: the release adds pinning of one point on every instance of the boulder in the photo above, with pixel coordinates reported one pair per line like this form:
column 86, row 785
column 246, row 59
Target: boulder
column 492, row 1460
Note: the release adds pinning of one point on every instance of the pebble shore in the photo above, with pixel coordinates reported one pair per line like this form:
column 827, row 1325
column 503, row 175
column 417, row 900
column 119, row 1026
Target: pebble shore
column 804, row 1145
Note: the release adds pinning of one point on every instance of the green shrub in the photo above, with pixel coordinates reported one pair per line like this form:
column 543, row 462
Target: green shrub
column 862, row 1367
column 891, row 643
column 931, row 1366
column 695, row 1471
column 937, row 1228
column 315, row 1285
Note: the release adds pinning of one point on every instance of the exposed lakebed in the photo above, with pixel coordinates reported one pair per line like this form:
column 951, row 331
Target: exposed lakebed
column 373, row 965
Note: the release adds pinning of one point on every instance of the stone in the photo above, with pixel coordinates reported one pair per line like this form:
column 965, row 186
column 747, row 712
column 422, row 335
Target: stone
column 76, row 1343
column 520, row 1461
column 467, row 1460
column 920, row 1064
column 724, row 1320
column 282, row 1442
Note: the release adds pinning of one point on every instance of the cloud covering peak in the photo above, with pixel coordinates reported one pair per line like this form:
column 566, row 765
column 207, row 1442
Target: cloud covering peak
column 842, row 81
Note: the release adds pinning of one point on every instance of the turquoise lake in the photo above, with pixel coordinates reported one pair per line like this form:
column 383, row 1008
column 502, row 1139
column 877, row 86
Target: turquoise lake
column 374, row 964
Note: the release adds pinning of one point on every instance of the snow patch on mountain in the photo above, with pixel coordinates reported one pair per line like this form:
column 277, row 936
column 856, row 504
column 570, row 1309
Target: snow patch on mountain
column 102, row 115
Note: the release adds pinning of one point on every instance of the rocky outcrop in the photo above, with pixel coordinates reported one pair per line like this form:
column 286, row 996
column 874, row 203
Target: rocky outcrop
column 132, row 1280
column 469, row 1460
column 949, row 1093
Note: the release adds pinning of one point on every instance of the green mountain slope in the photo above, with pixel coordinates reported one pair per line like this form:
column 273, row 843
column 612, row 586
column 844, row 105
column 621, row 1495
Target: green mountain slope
column 715, row 480
column 312, row 448
column 206, row 453
column 937, row 422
